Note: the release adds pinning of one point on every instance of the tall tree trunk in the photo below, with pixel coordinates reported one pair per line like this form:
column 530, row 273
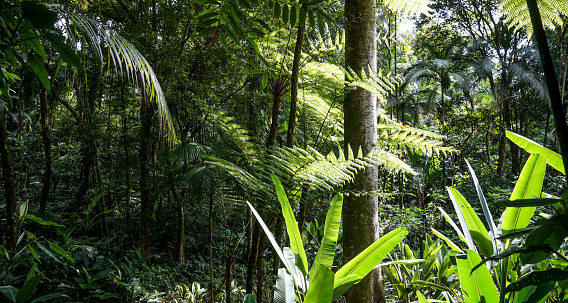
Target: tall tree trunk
column 46, row 136
column 146, row 117
column 294, row 79
column 276, row 100
column 551, row 81
column 360, row 217
column 9, row 184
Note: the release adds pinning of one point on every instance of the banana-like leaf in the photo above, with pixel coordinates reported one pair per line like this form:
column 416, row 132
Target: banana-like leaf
column 321, row 287
column 284, row 289
column 552, row 158
column 477, row 230
column 368, row 259
column 37, row 67
column 537, row 294
column 326, row 253
column 529, row 185
column 538, row 277
column 464, row 227
column 421, row 297
column 453, row 224
column 449, row 242
column 296, row 244
column 477, row 285
column 340, row 286
column 549, row 232
column 527, row 202
column 483, row 202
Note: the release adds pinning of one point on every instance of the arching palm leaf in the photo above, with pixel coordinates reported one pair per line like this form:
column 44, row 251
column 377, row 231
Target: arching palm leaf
column 124, row 55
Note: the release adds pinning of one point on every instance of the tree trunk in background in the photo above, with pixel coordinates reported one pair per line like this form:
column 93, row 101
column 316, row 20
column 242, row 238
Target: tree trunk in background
column 360, row 218
column 277, row 98
column 46, row 136
column 9, row 184
column 294, row 79
column 146, row 117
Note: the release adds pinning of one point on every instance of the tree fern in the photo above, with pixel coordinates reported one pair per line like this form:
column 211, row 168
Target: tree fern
column 517, row 13
column 413, row 139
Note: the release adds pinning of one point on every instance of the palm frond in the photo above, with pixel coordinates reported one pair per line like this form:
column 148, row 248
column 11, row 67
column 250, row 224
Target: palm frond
column 189, row 153
column 125, row 57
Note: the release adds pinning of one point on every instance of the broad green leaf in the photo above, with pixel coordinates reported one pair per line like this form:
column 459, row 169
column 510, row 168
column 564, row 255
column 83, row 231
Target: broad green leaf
column 10, row 292
column 461, row 219
column 29, row 286
column 39, row 15
column 296, row 244
column 292, row 15
column 538, row 277
column 277, row 11
column 326, row 253
column 452, row 224
column 549, row 232
column 230, row 32
column 285, row 14
column 284, row 288
column 421, row 297
column 302, row 17
column 321, row 24
column 249, row 299
column 477, row 230
column 537, row 294
column 483, row 202
column 368, row 259
column 477, row 286
column 264, row 80
column 529, row 185
column 311, row 18
column 207, row 14
column 340, row 286
column 527, row 202
column 449, row 242
column 30, row 39
column 223, row 40
column 37, row 67
column 40, row 220
column 552, row 158
column 321, row 287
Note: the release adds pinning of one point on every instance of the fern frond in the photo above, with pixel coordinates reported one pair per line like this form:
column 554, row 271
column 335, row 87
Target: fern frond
column 516, row 12
column 227, row 125
column 410, row 8
column 380, row 84
column 413, row 139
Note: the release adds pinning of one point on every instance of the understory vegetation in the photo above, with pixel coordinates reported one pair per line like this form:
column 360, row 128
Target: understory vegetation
column 203, row 151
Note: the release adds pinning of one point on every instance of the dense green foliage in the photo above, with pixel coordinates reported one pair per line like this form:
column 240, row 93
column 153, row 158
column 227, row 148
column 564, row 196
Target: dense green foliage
column 133, row 135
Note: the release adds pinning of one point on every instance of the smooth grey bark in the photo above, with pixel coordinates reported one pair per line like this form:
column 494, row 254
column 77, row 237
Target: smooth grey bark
column 360, row 218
